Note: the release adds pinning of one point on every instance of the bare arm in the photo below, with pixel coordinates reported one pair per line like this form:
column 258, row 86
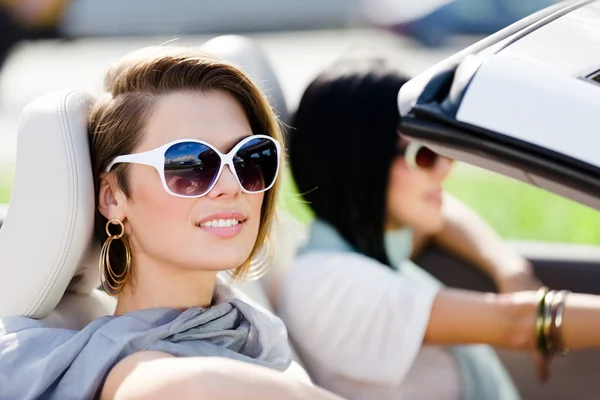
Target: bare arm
column 388, row 315
column 508, row 320
column 468, row 236
column 582, row 321
column 466, row 317
column 156, row 375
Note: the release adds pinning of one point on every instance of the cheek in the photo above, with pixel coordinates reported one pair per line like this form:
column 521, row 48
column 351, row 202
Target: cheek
column 152, row 209
column 161, row 227
column 403, row 190
column 407, row 200
column 256, row 204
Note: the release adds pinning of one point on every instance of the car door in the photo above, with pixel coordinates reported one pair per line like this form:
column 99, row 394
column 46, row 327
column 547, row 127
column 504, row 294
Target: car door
column 524, row 103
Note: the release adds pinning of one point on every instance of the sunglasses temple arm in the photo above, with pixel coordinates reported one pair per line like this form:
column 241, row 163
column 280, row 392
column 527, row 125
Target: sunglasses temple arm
column 145, row 158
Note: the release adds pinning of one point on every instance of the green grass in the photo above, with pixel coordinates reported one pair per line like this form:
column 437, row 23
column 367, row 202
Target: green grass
column 514, row 209
column 4, row 195
column 6, row 177
column 520, row 211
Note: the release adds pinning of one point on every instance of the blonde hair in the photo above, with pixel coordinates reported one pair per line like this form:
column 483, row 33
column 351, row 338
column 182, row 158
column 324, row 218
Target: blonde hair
column 136, row 82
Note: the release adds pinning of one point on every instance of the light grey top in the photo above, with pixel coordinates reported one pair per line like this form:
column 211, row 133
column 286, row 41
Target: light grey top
column 362, row 325
column 37, row 361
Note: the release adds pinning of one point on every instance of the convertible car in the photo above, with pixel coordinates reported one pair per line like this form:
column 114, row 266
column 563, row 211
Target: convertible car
column 521, row 102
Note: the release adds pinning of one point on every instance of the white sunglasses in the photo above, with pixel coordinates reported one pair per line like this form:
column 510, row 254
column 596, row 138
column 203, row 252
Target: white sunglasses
column 418, row 156
column 190, row 168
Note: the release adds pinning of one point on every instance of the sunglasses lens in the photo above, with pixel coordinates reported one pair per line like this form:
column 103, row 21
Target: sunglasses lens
column 190, row 168
column 425, row 158
column 256, row 164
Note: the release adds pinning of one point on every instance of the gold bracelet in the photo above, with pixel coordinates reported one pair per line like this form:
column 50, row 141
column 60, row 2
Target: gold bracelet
column 539, row 323
column 548, row 322
column 557, row 321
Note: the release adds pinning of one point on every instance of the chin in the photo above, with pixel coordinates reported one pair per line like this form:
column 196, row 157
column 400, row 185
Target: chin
column 222, row 259
column 429, row 225
column 210, row 254
column 437, row 226
column 219, row 264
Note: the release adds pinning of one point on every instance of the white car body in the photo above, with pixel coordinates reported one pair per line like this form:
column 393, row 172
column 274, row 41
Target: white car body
column 522, row 102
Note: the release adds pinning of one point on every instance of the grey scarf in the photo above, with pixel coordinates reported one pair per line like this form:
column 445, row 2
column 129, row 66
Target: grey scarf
column 50, row 363
column 482, row 371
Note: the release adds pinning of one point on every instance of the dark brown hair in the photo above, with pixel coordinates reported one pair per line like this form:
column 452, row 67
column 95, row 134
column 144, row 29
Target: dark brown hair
column 343, row 146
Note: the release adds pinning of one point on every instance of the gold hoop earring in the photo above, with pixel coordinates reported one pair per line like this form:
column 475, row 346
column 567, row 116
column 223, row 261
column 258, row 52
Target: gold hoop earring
column 112, row 282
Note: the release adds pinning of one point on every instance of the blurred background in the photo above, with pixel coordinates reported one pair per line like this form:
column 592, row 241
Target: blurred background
column 57, row 44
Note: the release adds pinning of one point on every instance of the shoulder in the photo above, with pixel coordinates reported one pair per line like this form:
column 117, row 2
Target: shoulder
column 356, row 317
column 337, row 270
column 333, row 261
column 332, row 287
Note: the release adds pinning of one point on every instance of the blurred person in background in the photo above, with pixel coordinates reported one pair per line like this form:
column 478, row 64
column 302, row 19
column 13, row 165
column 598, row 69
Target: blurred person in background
column 432, row 22
column 33, row 19
column 26, row 20
column 367, row 321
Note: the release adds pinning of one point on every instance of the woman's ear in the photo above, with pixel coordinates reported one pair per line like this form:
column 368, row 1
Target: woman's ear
column 111, row 200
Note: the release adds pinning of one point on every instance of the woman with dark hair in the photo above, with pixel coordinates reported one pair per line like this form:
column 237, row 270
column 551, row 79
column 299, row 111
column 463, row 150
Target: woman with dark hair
column 368, row 322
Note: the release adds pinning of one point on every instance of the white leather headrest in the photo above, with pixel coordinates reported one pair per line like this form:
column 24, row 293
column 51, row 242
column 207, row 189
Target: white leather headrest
column 49, row 224
column 247, row 55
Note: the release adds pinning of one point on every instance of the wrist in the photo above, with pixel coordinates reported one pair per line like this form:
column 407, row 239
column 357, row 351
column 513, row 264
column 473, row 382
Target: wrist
column 520, row 312
column 512, row 272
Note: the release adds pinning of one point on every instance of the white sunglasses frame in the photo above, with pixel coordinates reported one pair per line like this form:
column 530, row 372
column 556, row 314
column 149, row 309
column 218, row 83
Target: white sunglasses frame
column 410, row 155
column 156, row 158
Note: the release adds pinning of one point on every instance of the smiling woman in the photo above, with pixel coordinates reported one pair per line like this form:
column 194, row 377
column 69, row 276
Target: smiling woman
column 166, row 233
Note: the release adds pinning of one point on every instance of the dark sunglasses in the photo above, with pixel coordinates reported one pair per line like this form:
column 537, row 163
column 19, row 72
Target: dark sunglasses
column 191, row 167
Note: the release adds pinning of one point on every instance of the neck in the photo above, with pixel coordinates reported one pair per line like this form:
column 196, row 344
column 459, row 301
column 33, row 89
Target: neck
column 156, row 285
column 392, row 225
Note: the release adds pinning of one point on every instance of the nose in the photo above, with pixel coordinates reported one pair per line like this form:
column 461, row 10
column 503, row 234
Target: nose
column 227, row 185
column 442, row 168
